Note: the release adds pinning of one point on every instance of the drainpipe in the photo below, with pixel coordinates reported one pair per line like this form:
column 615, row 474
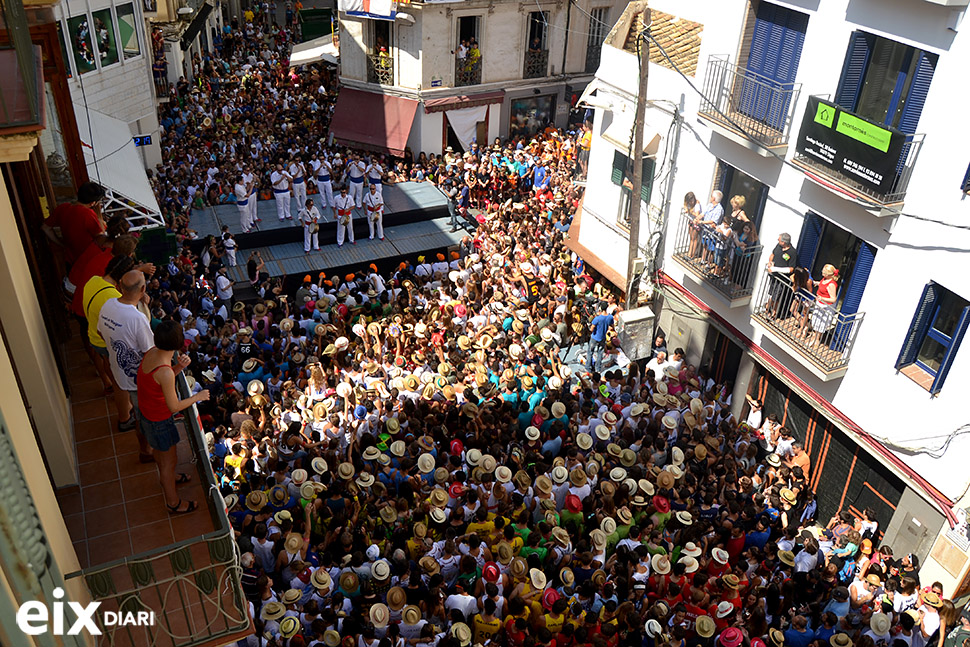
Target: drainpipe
column 565, row 40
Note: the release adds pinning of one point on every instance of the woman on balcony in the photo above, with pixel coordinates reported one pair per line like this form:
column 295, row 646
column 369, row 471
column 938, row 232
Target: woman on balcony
column 824, row 312
column 692, row 212
column 802, row 300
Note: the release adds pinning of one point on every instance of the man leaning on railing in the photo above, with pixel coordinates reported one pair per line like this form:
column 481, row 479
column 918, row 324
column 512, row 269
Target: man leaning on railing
column 781, row 262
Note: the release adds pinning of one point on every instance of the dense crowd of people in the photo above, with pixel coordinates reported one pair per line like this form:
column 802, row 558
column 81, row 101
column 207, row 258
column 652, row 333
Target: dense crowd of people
column 417, row 457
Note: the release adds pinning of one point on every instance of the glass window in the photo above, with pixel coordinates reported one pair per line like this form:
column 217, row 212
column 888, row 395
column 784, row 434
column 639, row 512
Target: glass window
column 948, row 311
column 531, row 114
column 82, row 43
column 128, row 31
column 67, row 59
column 537, row 31
column 104, row 32
column 884, row 85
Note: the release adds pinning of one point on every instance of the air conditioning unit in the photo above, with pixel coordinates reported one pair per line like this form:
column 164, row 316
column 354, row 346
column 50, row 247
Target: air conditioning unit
column 634, row 329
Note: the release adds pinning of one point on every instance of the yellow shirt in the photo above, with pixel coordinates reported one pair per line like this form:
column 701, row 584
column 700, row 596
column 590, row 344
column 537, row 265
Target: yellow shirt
column 96, row 292
column 484, row 529
column 554, row 625
column 485, row 629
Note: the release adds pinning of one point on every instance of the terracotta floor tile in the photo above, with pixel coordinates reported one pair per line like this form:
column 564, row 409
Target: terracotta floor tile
column 95, row 450
column 99, row 472
column 105, row 521
column 193, row 524
column 89, row 390
column 147, row 510
column 109, row 548
column 102, row 495
column 129, row 465
column 81, row 550
column 141, row 485
column 151, row 536
column 126, row 442
column 75, row 526
column 91, row 409
column 91, row 429
column 69, row 501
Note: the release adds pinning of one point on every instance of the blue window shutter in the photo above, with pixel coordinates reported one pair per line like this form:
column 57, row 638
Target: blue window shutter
column 918, row 89
column 854, row 69
column 759, row 208
column 919, row 325
column 858, row 280
column 786, row 67
column 951, row 352
column 808, row 239
column 966, row 182
column 757, row 57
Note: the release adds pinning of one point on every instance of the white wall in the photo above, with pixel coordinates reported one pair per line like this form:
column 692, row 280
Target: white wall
column 910, row 252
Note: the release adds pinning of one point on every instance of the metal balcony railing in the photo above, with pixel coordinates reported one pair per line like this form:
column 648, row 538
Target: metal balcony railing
column 753, row 105
column 380, row 68
column 468, row 72
column 192, row 586
column 848, row 186
column 819, row 333
column 536, row 64
column 722, row 263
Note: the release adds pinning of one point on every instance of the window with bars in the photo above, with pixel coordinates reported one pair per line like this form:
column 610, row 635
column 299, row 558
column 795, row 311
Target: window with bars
column 598, row 27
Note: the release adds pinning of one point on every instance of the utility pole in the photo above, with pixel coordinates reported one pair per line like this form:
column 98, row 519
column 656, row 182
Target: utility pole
column 636, row 159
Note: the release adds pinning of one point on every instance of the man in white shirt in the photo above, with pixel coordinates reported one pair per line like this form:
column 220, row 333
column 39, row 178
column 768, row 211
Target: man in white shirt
column 344, row 206
column 281, row 189
column 128, row 336
column 375, row 211
column 375, row 173
column 224, row 289
column 242, row 190
column 310, row 218
column 355, row 179
column 249, row 178
column 323, row 171
column 298, row 172
column 657, row 365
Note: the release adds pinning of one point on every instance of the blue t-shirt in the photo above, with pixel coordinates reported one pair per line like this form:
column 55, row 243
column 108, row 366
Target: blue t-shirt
column 795, row 638
column 601, row 323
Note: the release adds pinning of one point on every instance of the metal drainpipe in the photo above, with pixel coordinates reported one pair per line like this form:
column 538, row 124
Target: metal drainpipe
column 565, row 42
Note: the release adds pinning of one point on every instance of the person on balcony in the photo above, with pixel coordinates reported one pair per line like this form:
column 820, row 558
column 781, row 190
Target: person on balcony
column 712, row 217
column 474, row 57
column 745, row 240
column 781, row 262
column 824, row 312
column 802, row 299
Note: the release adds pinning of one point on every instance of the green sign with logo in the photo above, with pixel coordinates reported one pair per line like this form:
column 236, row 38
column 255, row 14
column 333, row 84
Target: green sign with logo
column 824, row 115
column 865, row 132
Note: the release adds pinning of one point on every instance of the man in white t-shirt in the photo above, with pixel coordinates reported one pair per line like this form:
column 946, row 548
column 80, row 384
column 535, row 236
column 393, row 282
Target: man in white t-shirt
column 128, row 336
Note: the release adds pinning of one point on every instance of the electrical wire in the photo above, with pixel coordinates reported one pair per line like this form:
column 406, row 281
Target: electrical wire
column 773, row 153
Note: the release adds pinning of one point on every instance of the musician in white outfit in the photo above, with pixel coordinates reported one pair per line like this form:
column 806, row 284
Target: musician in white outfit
column 375, row 212
column 242, row 191
column 375, row 173
column 281, row 181
column 310, row 219
column 323, row 172
column 345, row 217
column 250, row 178
column 355, row 179
column 298, row 173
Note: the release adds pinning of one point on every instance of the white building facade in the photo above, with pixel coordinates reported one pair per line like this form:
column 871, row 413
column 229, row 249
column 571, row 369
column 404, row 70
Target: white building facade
column 840, row 124
column 474, row 70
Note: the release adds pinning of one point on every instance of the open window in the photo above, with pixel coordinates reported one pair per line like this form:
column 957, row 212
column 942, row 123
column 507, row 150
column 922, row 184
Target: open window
column 622, row 176
column 732, row 182
column 537, row 52
column 380, row 65
column 598, row 28
column 468, row 52
column 823, row 243
column 934, row 336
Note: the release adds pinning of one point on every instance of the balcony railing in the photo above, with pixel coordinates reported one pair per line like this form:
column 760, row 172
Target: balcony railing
column 889, row 196
column 747, row 103
column 468, row 72
column 818, row 333
column 536, row 64
column 721, row 263
column 380, row 68
column 192, row 586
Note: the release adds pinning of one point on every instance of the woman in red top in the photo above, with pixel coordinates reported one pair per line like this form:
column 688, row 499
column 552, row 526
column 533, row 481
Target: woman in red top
column 823, row 314
column 158, row 402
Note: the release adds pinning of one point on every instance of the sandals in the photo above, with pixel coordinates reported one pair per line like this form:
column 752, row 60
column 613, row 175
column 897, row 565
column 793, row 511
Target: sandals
column 190, row 506
column 182, row 478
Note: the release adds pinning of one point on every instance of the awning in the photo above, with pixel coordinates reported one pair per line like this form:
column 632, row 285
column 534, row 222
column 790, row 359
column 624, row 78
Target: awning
column 464, row 101
column 114, row 162
column 318, row 49
column 196, row 25
column 618, row 133
column 377, row 122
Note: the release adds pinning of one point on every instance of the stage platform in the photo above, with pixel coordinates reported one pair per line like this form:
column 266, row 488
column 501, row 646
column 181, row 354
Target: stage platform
column 404, row 203
column 400, row 242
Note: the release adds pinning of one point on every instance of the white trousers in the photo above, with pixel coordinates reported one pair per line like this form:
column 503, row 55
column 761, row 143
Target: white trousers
column 310, row 238
column 244, row 220
column 299, row 192
column 356, row 192
column 326, row 194
column 344, row 231
column 253, row 201
column 231, row 255
column 376, row 225
column 283, row 205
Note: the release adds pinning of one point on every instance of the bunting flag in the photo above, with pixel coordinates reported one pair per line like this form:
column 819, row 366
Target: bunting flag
column 376, row 9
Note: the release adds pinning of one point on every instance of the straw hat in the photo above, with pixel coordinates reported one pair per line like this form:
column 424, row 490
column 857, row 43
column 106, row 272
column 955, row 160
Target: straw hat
column 396, row 598
column 505, row 554
column 379, row 615
column 578, row 477
column 598, row 539
column 462, row 634
column 720, row 555
column 690, row 564
column 705, row 626
column 519, row 567
column 503, row 474
column 272, row 610
column 566, row 576
column 349, row 581
column 537, row 578
column 652, row 628
column 319, row 465
column 426, row 463
column 602, row 432
column 788, row 558
column 438, row 498
column 665, row 480
column 256, row 500
column 880, row 623
column 411, row 615
column 345, row 471
column 291, row 596
column 660, row 564
column 840, row 640
column 560, row 474
column 320, row 579
column 584, row 441
column 398, row 448
column 608, row 525
column 691, row 550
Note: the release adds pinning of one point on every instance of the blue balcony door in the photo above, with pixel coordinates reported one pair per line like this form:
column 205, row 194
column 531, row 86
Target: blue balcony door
column 776, row 47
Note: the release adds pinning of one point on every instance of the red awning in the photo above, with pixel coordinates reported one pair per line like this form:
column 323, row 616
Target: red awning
column 463, row 101
column 377, row 122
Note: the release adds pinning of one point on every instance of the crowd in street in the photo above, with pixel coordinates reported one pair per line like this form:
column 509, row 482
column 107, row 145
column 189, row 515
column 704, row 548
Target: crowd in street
column 422, row 457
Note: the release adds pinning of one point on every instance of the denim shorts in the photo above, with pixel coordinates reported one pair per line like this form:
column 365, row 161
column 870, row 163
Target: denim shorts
column 161, row 435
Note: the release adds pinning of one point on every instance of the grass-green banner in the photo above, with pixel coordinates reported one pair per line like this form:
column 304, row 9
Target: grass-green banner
column 865, row 132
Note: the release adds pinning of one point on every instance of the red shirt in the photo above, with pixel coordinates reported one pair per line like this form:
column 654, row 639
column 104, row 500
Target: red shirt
column 151, row 400
column 79, row 227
